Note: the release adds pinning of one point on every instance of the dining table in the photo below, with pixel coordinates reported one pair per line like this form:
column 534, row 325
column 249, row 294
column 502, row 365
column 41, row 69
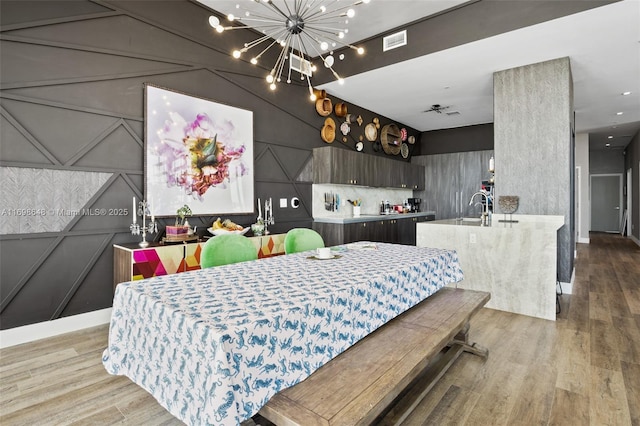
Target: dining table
column 212, row 346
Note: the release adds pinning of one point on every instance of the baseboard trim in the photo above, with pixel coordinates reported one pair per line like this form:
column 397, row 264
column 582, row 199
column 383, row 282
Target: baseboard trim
column 634, row 239
column 42, row 330
column 584, row 240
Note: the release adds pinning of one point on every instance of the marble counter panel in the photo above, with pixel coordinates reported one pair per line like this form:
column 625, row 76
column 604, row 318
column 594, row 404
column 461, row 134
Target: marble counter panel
column 515, row 262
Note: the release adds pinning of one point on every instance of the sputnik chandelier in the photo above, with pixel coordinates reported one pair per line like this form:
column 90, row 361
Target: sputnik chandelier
column 304, row 29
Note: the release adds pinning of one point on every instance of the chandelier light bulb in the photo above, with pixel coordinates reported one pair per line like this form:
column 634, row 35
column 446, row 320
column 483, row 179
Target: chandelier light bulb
column 313, row 97
column 219, row 28
column 341, row 81
column 324, row 45
column 236, row 54
column 351, row 13
column 254, row 61
column 270, row 78
column 360, row 50
column 272, row 86
column 341, row 34
column 328, row 61
column 323, row 9
column 231, row 17
column 214, row 21
column 366, row 1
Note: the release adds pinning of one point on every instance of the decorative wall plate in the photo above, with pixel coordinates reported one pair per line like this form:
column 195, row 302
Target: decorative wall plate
column 370, row 132
column 404, row 150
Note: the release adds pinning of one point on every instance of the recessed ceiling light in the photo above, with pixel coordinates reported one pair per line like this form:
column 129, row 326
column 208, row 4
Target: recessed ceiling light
column 610, row 137
column 626, row 93
column 619, row 113
column 607, row 144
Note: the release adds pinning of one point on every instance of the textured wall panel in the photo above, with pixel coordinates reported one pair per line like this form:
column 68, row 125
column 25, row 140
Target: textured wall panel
column 533, row 106
column 44, row 200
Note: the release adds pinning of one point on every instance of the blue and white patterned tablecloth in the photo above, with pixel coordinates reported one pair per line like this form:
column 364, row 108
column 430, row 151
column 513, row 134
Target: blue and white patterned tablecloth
column 214, row 345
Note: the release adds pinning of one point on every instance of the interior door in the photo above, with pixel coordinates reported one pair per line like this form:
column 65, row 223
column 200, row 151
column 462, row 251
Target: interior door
column 606, row 202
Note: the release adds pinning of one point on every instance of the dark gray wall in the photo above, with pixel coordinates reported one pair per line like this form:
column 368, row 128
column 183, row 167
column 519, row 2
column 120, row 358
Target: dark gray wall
column 72, row 82
column 632, row 161
column 460, row 139
column 606, row 161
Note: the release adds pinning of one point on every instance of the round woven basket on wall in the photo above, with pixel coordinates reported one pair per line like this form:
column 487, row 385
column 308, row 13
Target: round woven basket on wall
column 391, row 139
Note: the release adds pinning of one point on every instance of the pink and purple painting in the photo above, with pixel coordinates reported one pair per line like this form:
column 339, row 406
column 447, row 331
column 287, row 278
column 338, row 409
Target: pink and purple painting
column 199, row 153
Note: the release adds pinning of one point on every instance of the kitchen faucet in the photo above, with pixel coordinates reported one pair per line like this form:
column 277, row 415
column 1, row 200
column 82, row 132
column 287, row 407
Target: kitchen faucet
column 485, row 213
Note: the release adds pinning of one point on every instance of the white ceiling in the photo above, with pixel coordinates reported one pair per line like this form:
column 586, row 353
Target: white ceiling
column 603, row 45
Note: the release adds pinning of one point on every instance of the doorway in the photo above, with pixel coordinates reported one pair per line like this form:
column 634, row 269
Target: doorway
column 606, row 202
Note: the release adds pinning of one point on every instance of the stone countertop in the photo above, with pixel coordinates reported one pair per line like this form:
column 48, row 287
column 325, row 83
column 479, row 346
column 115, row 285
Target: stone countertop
column 523, row 222
column 371, row 217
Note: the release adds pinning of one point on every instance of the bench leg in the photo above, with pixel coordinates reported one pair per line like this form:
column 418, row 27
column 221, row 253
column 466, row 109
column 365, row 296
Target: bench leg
column 462, row 338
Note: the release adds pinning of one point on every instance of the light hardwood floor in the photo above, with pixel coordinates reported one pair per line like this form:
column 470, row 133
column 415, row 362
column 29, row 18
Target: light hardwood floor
column 583, row 369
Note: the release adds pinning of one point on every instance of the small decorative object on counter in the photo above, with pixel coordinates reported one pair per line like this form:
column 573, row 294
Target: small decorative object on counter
column 508, row 205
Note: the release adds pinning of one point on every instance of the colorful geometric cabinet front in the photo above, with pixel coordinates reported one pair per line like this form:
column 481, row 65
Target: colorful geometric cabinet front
column 171, row 259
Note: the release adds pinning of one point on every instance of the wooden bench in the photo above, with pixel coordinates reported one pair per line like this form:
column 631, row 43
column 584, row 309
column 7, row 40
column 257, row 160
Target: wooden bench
column 359, row 386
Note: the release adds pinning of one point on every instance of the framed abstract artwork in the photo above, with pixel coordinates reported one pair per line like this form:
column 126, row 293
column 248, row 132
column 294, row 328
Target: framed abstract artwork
column 197, row 152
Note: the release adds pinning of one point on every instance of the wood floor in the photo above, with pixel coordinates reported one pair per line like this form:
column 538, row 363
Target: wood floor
column 583, row 369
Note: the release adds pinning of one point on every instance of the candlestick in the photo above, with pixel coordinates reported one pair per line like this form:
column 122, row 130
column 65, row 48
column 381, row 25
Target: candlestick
column 259, row 209
column 145, row 228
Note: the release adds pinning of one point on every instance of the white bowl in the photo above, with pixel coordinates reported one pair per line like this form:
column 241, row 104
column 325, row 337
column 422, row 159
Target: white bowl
column 224, row 231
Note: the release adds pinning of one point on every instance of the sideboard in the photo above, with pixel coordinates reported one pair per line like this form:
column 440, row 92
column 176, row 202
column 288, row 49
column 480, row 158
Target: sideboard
column 131, row 262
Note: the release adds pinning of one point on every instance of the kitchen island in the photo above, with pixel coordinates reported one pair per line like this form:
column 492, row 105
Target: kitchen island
column 515, row 262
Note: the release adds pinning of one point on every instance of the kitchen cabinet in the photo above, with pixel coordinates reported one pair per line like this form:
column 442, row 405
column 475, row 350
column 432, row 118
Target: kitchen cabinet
column 346, row 167
column 451, row 181
column 407, row 229
column 387, row 229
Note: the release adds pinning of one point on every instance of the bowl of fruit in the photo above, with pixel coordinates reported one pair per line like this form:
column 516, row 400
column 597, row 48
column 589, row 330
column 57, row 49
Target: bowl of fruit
column 226, row 226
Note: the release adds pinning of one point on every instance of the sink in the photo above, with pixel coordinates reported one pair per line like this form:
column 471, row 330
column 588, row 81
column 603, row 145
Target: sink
column 471, row 219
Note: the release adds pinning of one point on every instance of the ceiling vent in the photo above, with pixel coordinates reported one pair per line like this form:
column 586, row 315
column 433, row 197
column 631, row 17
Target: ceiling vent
column 300, row 65
column 394, row 40
column 453, row 113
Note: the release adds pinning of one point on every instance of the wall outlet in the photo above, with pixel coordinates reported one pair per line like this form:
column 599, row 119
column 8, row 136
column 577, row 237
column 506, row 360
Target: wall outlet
column 472, row 238
column 283, row 203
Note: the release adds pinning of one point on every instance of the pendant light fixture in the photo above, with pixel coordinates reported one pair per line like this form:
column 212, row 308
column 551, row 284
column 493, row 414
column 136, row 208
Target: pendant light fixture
column 302, row 29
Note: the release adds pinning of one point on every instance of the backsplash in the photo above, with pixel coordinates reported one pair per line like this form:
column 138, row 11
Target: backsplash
column 370, row 197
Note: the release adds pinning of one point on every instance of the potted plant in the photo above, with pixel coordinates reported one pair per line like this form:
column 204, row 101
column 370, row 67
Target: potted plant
column 181, row 225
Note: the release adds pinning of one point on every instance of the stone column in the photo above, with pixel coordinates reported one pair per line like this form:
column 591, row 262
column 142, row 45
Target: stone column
column 533, row 137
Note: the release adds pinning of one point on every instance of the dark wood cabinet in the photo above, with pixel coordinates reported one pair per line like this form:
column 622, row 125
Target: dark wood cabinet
column 385, row 230
column 407, row 229
column 345, row 167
